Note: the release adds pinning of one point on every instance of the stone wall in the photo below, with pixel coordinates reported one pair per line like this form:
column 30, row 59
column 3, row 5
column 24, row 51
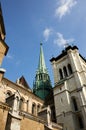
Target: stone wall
column 3, row 118
column 29, row 121
column 34, row 125
column 31, row 125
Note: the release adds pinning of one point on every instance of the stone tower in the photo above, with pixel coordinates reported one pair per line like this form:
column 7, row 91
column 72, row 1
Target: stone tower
column 70, row 89
column 42, row 85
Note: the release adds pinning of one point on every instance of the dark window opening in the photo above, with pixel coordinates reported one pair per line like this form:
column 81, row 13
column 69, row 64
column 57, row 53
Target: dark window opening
column 60, row 73
column 70, row 69
column 33, row 109
column 81, row 125
column 21, row 104
column 75, row 104
column 65, row 71
column 38, row 108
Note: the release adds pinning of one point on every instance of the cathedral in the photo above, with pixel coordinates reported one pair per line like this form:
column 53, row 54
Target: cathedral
column 61, row 107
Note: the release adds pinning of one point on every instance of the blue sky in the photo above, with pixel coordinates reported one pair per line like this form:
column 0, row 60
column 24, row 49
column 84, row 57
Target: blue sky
column 29, row 22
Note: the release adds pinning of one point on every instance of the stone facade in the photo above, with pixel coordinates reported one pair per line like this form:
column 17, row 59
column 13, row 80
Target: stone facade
column 4, row 108
column 19, row 107
column 70, row 89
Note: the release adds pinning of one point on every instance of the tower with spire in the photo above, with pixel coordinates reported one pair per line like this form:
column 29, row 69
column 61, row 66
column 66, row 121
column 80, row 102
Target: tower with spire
column 42, row 84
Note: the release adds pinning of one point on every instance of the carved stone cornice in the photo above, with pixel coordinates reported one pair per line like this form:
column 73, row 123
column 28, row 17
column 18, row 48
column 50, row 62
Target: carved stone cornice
column 4, row 106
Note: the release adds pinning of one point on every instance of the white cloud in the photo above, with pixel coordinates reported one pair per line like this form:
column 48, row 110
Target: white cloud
column 9, row 56
column 64, row 7
column 61, row 41
column 46, row 33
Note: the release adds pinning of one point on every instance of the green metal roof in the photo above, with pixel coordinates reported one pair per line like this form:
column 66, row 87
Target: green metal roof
column 42, row 85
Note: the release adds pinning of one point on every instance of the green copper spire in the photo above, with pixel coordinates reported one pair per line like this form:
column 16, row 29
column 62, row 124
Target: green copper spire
column 41, row 65
column 42, row 85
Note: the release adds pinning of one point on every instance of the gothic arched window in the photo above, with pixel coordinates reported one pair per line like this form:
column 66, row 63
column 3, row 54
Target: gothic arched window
column 65, row 71
column 60, row 73
column 38, row 108
column 21, row 104
column 81, row 125
column 27, row 105
column 70, row 69
column 8, row 94
column 75, row 104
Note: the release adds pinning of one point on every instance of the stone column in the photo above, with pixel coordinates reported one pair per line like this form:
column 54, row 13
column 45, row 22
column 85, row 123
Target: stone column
column 49, row 116
column 30, row 106
column 16, row 104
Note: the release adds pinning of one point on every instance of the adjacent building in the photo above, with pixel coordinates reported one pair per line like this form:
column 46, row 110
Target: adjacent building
column 70, row 89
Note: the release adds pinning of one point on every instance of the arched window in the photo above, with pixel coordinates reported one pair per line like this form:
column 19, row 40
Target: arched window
column 33, row 108
column 60, row 73
column 21, row 104
column 70, row 69
column 81, row 125
column 75, row 104
column 27, row 105
column 38, row 108
column 8, row 94
column 65, row 71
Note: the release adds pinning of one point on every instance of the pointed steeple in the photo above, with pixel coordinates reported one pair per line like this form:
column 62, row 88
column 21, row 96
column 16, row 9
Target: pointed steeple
column 41, row 65
column 42, row 84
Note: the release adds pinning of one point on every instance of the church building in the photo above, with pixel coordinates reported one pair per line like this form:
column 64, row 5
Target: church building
column 20, row 107
column 61, row 107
